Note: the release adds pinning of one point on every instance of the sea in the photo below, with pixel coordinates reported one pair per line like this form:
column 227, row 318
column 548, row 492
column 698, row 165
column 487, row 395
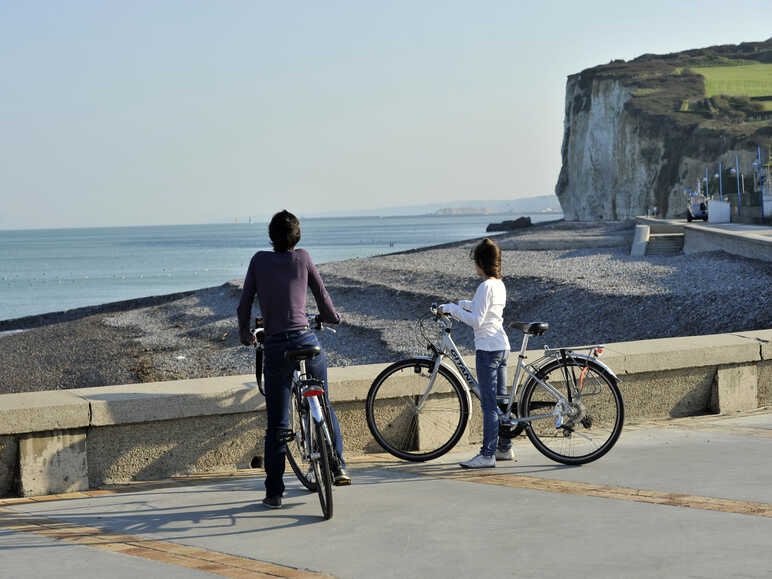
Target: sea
column 51, row 270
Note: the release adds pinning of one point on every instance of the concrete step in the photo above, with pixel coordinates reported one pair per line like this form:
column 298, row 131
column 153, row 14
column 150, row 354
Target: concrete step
column 665, row 244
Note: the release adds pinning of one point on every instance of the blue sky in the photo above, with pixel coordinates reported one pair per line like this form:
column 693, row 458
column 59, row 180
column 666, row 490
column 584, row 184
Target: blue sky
column 118, row 113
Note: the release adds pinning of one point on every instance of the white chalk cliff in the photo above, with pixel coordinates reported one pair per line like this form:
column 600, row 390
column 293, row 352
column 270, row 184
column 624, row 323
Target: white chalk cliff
column 635, row 135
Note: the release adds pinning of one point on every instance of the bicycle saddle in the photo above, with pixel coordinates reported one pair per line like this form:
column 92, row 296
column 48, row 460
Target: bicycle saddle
column 531, row 328
column 303, row 353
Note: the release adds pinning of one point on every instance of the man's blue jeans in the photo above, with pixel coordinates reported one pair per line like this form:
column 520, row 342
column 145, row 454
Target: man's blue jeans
column 278, row 382
column 492, row 380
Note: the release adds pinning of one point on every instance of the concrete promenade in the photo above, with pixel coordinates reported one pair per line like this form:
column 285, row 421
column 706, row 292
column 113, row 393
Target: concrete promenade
column 689, row 497
column 752, row 241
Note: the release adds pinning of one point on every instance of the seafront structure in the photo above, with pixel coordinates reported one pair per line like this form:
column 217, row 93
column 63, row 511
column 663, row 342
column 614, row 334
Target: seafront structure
column 655, row 236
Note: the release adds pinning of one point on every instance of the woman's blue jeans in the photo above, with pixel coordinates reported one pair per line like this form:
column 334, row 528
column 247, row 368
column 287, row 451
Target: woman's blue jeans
column 278, row 383
column 492, row 380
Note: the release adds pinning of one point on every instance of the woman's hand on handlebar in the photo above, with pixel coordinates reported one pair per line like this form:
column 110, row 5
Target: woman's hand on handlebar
column 440, row 310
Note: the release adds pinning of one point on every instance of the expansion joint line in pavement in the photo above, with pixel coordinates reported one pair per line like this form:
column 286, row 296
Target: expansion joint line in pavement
column 602, row 491
column 162, row 551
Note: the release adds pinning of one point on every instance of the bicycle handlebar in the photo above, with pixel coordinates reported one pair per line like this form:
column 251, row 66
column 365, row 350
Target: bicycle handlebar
column 258, row 333
column 316, row 324
column 435, row 309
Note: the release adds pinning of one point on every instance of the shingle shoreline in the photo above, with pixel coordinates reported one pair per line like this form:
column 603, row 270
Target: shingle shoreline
column 599, row 294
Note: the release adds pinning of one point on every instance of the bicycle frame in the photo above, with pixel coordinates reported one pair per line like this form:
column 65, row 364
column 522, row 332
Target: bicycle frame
column 523, row 371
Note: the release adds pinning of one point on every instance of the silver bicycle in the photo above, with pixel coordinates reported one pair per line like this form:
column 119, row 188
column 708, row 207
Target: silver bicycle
column 567, row 401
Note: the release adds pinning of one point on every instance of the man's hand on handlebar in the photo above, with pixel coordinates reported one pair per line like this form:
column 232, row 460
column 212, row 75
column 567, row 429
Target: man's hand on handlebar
column 315, row 323
column 246, row 336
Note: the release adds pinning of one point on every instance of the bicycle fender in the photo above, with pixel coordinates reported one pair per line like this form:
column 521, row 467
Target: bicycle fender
column 596, row 361
column 316, row 409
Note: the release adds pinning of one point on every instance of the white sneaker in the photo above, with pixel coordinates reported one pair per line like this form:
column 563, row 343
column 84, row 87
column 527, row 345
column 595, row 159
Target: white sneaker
column 506, row 454
column 480, row 461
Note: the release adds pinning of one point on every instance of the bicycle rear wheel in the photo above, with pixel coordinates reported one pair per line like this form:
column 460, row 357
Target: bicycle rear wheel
column 406, row 430
column 322, row 470
column 297, row 453
column 592, row 421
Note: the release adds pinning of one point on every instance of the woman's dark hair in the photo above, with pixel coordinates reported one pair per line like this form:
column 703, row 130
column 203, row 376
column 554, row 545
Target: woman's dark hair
column 487, row 256
column 284, row 231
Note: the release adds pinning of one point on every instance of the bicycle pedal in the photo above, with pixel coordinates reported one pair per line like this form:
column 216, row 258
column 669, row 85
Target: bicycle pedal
column 509, row 429
column 286, row 436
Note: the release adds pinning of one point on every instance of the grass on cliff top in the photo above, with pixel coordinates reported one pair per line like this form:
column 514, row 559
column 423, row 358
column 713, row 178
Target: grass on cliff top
column 752, row 80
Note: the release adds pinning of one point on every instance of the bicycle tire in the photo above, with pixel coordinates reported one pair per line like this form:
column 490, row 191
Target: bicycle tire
column 396, row 423
column 259, row 370
column 597, row 399
column 324, row 402
column 296, row 448
column 322, row 470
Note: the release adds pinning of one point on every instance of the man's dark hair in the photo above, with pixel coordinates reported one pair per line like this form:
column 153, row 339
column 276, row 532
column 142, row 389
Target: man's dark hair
column 284, row 231
column 487, row 256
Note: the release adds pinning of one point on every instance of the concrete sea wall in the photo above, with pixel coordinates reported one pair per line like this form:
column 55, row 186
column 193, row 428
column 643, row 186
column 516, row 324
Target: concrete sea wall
column 71, row 440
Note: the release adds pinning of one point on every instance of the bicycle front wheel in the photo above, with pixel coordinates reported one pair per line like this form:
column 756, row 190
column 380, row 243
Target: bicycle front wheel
column 411, row 423
column 297, row 449
column 321, row 466
column 590, row 421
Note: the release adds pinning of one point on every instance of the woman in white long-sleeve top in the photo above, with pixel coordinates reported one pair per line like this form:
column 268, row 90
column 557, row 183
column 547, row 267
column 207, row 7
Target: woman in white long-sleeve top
column 485, row 315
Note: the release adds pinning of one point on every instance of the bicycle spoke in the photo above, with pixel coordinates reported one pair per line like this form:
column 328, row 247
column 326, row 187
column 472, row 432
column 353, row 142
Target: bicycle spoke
column 410, row 434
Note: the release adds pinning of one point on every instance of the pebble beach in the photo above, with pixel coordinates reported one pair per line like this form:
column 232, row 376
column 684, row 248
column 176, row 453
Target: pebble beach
column 578, row 277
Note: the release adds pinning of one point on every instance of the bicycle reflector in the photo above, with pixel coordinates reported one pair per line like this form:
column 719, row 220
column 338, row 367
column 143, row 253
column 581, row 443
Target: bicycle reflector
column 313, row 391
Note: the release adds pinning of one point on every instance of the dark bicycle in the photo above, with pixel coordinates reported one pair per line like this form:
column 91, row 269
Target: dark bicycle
column 310, row 448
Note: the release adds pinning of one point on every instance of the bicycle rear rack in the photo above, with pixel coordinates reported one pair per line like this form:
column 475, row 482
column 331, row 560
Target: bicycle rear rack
column 594, row 350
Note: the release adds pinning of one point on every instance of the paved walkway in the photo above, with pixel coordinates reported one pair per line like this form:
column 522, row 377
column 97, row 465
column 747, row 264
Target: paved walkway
column 682, row 498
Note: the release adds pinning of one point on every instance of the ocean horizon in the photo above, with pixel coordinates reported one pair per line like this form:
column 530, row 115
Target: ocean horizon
column 50, row 270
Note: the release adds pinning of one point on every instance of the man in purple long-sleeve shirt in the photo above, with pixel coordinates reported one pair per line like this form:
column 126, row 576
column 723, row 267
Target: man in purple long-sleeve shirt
column 280, row 279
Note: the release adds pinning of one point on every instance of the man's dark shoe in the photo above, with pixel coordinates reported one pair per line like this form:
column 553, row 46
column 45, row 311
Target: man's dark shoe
column 272, row 502
column 341, row 477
